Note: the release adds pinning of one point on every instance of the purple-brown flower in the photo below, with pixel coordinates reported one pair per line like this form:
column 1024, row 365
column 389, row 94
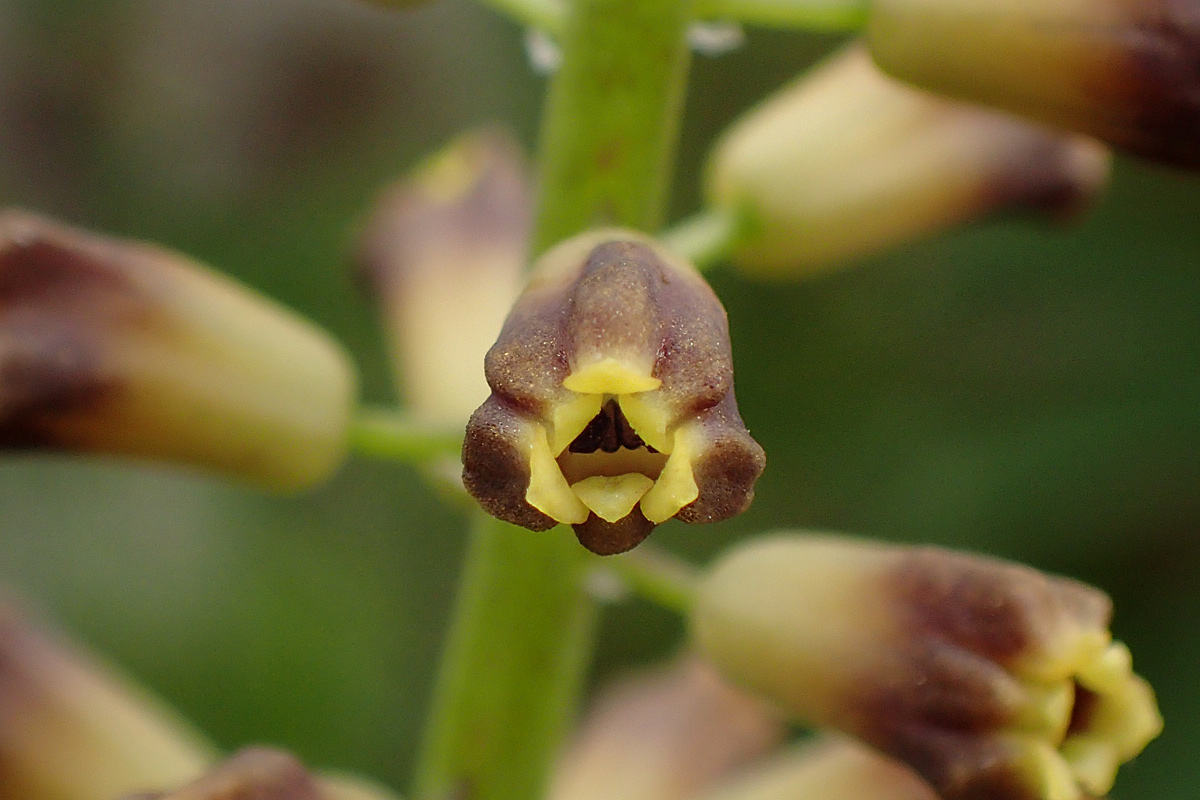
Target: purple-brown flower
column 612, row 405
column 989, row 678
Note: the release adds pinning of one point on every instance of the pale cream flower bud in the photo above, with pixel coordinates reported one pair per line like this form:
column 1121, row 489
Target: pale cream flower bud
column 988, row 678
column 846, row 162
column 72, row 730
column 1121, row 70
column 666, row 735
column 445, row 250
column 612, row 405
column 113, row 346
column 262, row 773
column 829, row 769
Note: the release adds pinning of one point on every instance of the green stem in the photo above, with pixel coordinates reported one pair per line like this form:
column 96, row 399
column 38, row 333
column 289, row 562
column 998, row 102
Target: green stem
column 388, row 434
column 545, row 15
column 612, row 117
column 658, row 576
column 515, row 660
column 828, row 16
column 708, row 237
column 523, row 627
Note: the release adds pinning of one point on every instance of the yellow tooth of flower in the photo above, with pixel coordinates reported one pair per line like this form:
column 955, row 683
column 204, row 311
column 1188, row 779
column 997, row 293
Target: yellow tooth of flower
column 648, row 417
column 1038, row 763
column 676, row 485
column 1048, row 709
column 611, row 376
column 1109, row 670
column 548, row 490
column 612, row 498
column 1093, row 762
column 571, row 417
column 1125, row 712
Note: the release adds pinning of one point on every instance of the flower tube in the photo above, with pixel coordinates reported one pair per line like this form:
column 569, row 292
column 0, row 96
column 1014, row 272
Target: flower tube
column 112, row 346
column 1125, row 71
column 612, row 405
column 988, row 678
column 665, row 735
column 445, row 250
column 846, row 162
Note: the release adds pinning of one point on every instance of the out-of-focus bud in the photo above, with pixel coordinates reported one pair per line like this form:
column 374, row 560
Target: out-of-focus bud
column 445, row 250
column 70, row 730
column 988, row 678
column 612, row 405
column 831, row 769
column 1125, row 71
column 668, row 735
column 260, row 773
column 121, row 347
column 847, row 161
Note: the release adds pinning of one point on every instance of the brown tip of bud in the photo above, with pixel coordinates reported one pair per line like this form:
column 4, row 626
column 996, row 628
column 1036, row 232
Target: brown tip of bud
column 612, row 404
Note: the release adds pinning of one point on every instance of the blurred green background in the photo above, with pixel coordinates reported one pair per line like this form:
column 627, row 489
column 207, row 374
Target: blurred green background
column 1015, row 388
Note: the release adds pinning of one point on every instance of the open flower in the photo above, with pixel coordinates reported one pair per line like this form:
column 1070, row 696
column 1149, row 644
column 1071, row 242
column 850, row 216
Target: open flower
column 847, row 161
column 612, row 405
column 1125, row 71
column 989, row 678
column 112, row 346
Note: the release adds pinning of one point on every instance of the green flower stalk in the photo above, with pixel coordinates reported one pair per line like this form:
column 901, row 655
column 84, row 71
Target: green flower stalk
column 828, row 769
column 846, row 162
column 670, row 734
column 445, row 250
column 119, row 347
column 612, row 405
column 988, row 678
column 1121, row 70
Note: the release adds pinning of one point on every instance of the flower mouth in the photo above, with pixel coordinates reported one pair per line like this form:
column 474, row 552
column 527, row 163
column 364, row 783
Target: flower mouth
column 608, row 455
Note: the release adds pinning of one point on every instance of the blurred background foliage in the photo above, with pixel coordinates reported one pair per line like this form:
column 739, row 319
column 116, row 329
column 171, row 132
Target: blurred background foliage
column 1014, row 388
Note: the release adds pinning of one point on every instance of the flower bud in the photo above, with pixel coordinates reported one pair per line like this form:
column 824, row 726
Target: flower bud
column 612, row 405
column 70, row 730
column 445, row 250
column 667, row 735
column 846, row 162
column 988, row 678
column 121, row 347
column 830, row 769
column 1124, row 71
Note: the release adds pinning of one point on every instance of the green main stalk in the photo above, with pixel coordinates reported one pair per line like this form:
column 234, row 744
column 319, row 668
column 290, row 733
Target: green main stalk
column 523, row 627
